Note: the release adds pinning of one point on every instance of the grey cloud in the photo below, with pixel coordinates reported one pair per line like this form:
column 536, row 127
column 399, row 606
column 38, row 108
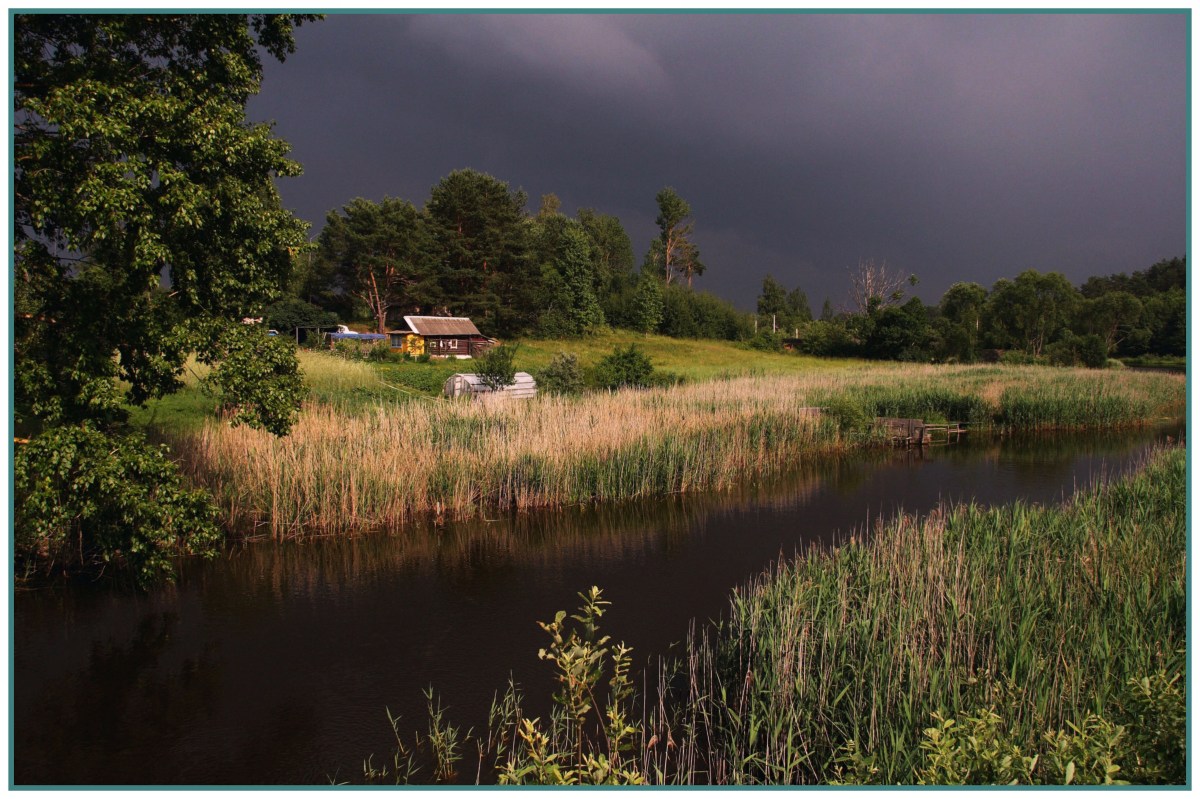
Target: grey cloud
column 955, row 146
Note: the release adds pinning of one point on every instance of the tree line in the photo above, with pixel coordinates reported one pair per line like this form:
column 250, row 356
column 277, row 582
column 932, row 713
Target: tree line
column 1034, row 317
column 473, row 250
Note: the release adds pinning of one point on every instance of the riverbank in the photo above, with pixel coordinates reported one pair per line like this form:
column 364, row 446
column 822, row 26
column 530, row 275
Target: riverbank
column 1019, row 644
column 382, row 465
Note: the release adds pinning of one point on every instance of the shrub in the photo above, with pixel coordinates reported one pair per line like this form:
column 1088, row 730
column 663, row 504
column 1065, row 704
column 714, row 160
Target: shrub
column 1017, row 358
column 495, row 366
column 382, row 352
column 562, row 375
column 629, row 367
column 87, row 500
column 828, row 339
column 766, row 341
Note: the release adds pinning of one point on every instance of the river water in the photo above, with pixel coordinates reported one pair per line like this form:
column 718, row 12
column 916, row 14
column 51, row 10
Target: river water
column 274, row 664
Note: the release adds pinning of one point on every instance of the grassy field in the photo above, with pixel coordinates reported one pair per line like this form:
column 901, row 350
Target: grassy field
column 366, row 453
column 354, row 386
column 690, row 359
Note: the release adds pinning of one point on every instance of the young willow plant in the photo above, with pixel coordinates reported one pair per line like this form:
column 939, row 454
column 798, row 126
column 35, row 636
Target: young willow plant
column 590, row 738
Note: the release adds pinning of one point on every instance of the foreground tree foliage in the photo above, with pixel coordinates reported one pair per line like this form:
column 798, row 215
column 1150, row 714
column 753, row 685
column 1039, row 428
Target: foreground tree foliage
column 91, row 500
column 147, row 226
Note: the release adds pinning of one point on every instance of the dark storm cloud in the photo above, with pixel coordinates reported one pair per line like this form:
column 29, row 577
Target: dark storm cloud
column 957, row 147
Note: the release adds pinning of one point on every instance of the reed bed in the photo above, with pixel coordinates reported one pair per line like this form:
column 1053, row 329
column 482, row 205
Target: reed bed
column 460, row 459
column 1053, row 637
column 357, row 464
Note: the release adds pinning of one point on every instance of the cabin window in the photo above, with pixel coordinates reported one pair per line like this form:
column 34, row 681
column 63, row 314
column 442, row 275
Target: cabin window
column 454, row 344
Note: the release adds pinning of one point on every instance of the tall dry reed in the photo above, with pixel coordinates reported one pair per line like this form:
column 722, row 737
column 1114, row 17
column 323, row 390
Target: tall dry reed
column 344, row 468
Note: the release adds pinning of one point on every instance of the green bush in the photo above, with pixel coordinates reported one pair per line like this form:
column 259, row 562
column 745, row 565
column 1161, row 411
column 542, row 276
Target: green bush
column 628, row 367
column 562, row 375
column 495, row 366
column 1017, row 358
column 91, row 502
column 382, row 352
column 825, row 339
column 765, row 341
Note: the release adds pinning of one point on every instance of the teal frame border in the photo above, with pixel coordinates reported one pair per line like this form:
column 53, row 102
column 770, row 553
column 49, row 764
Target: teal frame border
column 13, row 11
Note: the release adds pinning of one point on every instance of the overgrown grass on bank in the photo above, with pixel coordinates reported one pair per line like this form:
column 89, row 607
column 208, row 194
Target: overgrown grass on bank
column 970, row 646
column 340, row 469
column 1019, row 644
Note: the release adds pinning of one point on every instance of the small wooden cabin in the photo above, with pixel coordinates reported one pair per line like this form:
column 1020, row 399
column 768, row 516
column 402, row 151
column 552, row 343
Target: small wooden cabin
column 471, row 385
column 440, row 336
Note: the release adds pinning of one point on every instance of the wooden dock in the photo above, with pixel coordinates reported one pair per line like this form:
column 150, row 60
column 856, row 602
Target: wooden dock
column 916, row 433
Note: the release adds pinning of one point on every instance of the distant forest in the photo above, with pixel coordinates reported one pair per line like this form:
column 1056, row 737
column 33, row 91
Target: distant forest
column 473, row 250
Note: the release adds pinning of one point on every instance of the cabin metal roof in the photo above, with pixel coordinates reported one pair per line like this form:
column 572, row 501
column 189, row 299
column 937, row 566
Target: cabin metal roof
column 440, row 326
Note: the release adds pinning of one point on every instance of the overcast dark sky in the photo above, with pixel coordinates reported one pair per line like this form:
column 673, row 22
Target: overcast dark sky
column 956, row 147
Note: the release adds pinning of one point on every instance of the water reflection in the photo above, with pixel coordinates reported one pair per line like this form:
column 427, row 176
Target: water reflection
column 274, row 664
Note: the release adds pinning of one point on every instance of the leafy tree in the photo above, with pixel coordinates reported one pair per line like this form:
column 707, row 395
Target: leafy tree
column 897, row 332
column 550, row 206
column 1166, row 275
column 1030, row 311
column 1112, row 316
column 826, row 338
column 256, row 379
column 92, row 500
column 676, row 253
column 134, row 165
column 648, row 303
column 699, row 314
column 961, row 311
column 482, row 244
column 290, row 314
column 379, row 254
column 1165, row 316
column 612, row 252
column 568, row 288
column 135, row 168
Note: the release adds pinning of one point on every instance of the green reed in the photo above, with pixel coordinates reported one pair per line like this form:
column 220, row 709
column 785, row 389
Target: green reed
column 1050, row 629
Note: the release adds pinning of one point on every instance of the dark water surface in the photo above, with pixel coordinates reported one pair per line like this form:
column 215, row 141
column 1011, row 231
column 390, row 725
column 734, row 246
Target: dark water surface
column 274, row 664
